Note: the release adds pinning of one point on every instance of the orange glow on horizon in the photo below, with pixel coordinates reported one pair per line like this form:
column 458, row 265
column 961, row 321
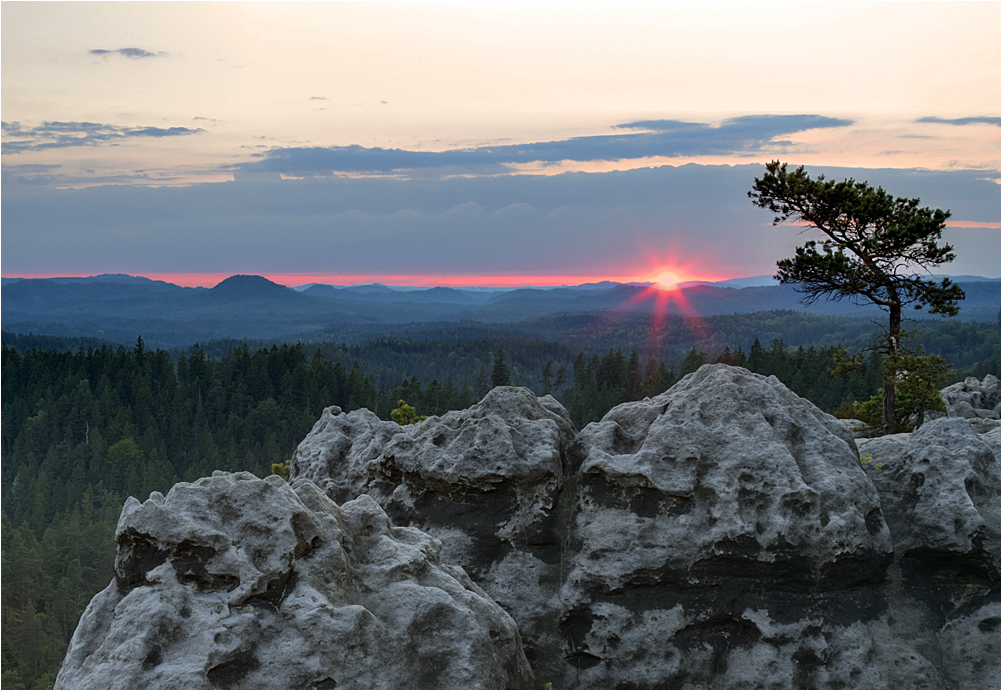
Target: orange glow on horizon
column 210, row 279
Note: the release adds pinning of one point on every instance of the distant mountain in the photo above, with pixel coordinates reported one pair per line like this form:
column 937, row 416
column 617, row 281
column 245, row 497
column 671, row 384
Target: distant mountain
column 377, row 288
column 242, row 287
column 748, row 282
column 322, row 290
column 100, row 278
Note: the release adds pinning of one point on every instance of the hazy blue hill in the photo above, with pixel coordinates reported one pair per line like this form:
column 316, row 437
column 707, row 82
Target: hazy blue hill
column 22, row 342
column 322, row 290
column 447, row 295
column 372, row 288
column 36, row 294
column 107, row 278
column 241, row 287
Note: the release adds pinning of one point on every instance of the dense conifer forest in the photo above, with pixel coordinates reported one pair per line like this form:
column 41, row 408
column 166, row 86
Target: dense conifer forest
column 85, row 427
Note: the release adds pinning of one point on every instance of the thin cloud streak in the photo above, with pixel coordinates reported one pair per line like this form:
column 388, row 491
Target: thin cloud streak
column 575, row 224
column 997, row 122
column 59, row 135
column 131, row 53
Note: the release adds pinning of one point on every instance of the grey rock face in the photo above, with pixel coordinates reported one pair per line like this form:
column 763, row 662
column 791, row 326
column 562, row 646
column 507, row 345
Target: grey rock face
column 972, row 398
column 939, row 489
column 724, row 535
column 337, row 452
column 236, row 582
column 484, row 480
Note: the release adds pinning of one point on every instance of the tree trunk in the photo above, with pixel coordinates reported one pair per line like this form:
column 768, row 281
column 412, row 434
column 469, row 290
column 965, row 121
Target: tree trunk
column 891, row 375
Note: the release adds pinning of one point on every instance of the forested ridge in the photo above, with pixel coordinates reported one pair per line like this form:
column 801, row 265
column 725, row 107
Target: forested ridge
column 84, row 429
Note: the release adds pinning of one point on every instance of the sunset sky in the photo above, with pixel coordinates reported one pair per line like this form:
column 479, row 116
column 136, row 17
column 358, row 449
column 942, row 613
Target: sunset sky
column 475, row 143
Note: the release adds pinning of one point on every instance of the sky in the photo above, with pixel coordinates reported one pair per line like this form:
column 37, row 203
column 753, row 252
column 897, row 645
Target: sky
column 477, row 143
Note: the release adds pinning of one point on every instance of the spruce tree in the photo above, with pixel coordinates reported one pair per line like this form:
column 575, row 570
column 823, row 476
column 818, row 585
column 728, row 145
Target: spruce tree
column 500, row 375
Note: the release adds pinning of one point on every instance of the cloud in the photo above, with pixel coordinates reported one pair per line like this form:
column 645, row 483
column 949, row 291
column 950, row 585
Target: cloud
column 645, row 138
column 962, row 121
column 57, row 135
column 133, row 53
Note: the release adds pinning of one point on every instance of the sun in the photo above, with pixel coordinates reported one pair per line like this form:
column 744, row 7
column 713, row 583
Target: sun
column 666, row 280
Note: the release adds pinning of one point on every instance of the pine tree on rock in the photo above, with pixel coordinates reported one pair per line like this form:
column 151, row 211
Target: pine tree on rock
column 500, row 375
column 877, row 249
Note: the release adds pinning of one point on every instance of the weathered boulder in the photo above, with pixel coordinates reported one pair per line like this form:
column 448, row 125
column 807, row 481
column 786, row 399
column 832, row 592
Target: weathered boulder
column 483, row 480
column 724, row 534
column 339, row 450
column 939, row 489
column 236, row 582
column 972, row 398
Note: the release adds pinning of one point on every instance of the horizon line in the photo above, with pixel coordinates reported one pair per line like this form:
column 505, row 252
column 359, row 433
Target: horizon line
column 294, row 279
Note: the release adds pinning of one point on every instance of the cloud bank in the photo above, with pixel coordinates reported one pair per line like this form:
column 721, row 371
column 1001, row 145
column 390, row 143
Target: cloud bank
column 746, row 135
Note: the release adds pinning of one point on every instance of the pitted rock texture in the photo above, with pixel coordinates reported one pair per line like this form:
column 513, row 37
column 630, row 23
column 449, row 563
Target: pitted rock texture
column 725, row 534
column 338, row 451
column 939, row 488
column 973, row 399
column 793, row 502
column 722, row 522
column 484, row 480
column 236, row 582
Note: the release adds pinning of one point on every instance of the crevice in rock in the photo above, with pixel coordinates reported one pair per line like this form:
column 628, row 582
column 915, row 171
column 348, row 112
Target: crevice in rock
column 153, row 658
column 276, row 592
column 142, row 554
column 231, row 673
column 190, row 562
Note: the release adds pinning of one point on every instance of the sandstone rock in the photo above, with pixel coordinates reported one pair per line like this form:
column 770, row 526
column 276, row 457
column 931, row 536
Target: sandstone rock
column 972, row 398
column 939, row 489
column 336, row 454
column 992, row 438
column 483, row 480
column 724, row 534
column 236, row 582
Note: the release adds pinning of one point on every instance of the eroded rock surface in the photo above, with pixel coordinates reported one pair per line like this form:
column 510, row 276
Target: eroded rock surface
column 236, row 582
column 485, row 481
column 724, row 534
column 973, row 399
column 718, row 526
column 940, row 489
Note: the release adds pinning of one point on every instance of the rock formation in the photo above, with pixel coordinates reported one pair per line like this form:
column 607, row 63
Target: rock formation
column 972, row 399
column 939, row 489
column 725, row 533
column 721, row 525
column 236, row 582
column 485, row 481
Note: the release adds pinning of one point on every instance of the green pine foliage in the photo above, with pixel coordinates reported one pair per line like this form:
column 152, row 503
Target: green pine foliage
column 500, row 376
column 599, row 384
column 405, row 414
